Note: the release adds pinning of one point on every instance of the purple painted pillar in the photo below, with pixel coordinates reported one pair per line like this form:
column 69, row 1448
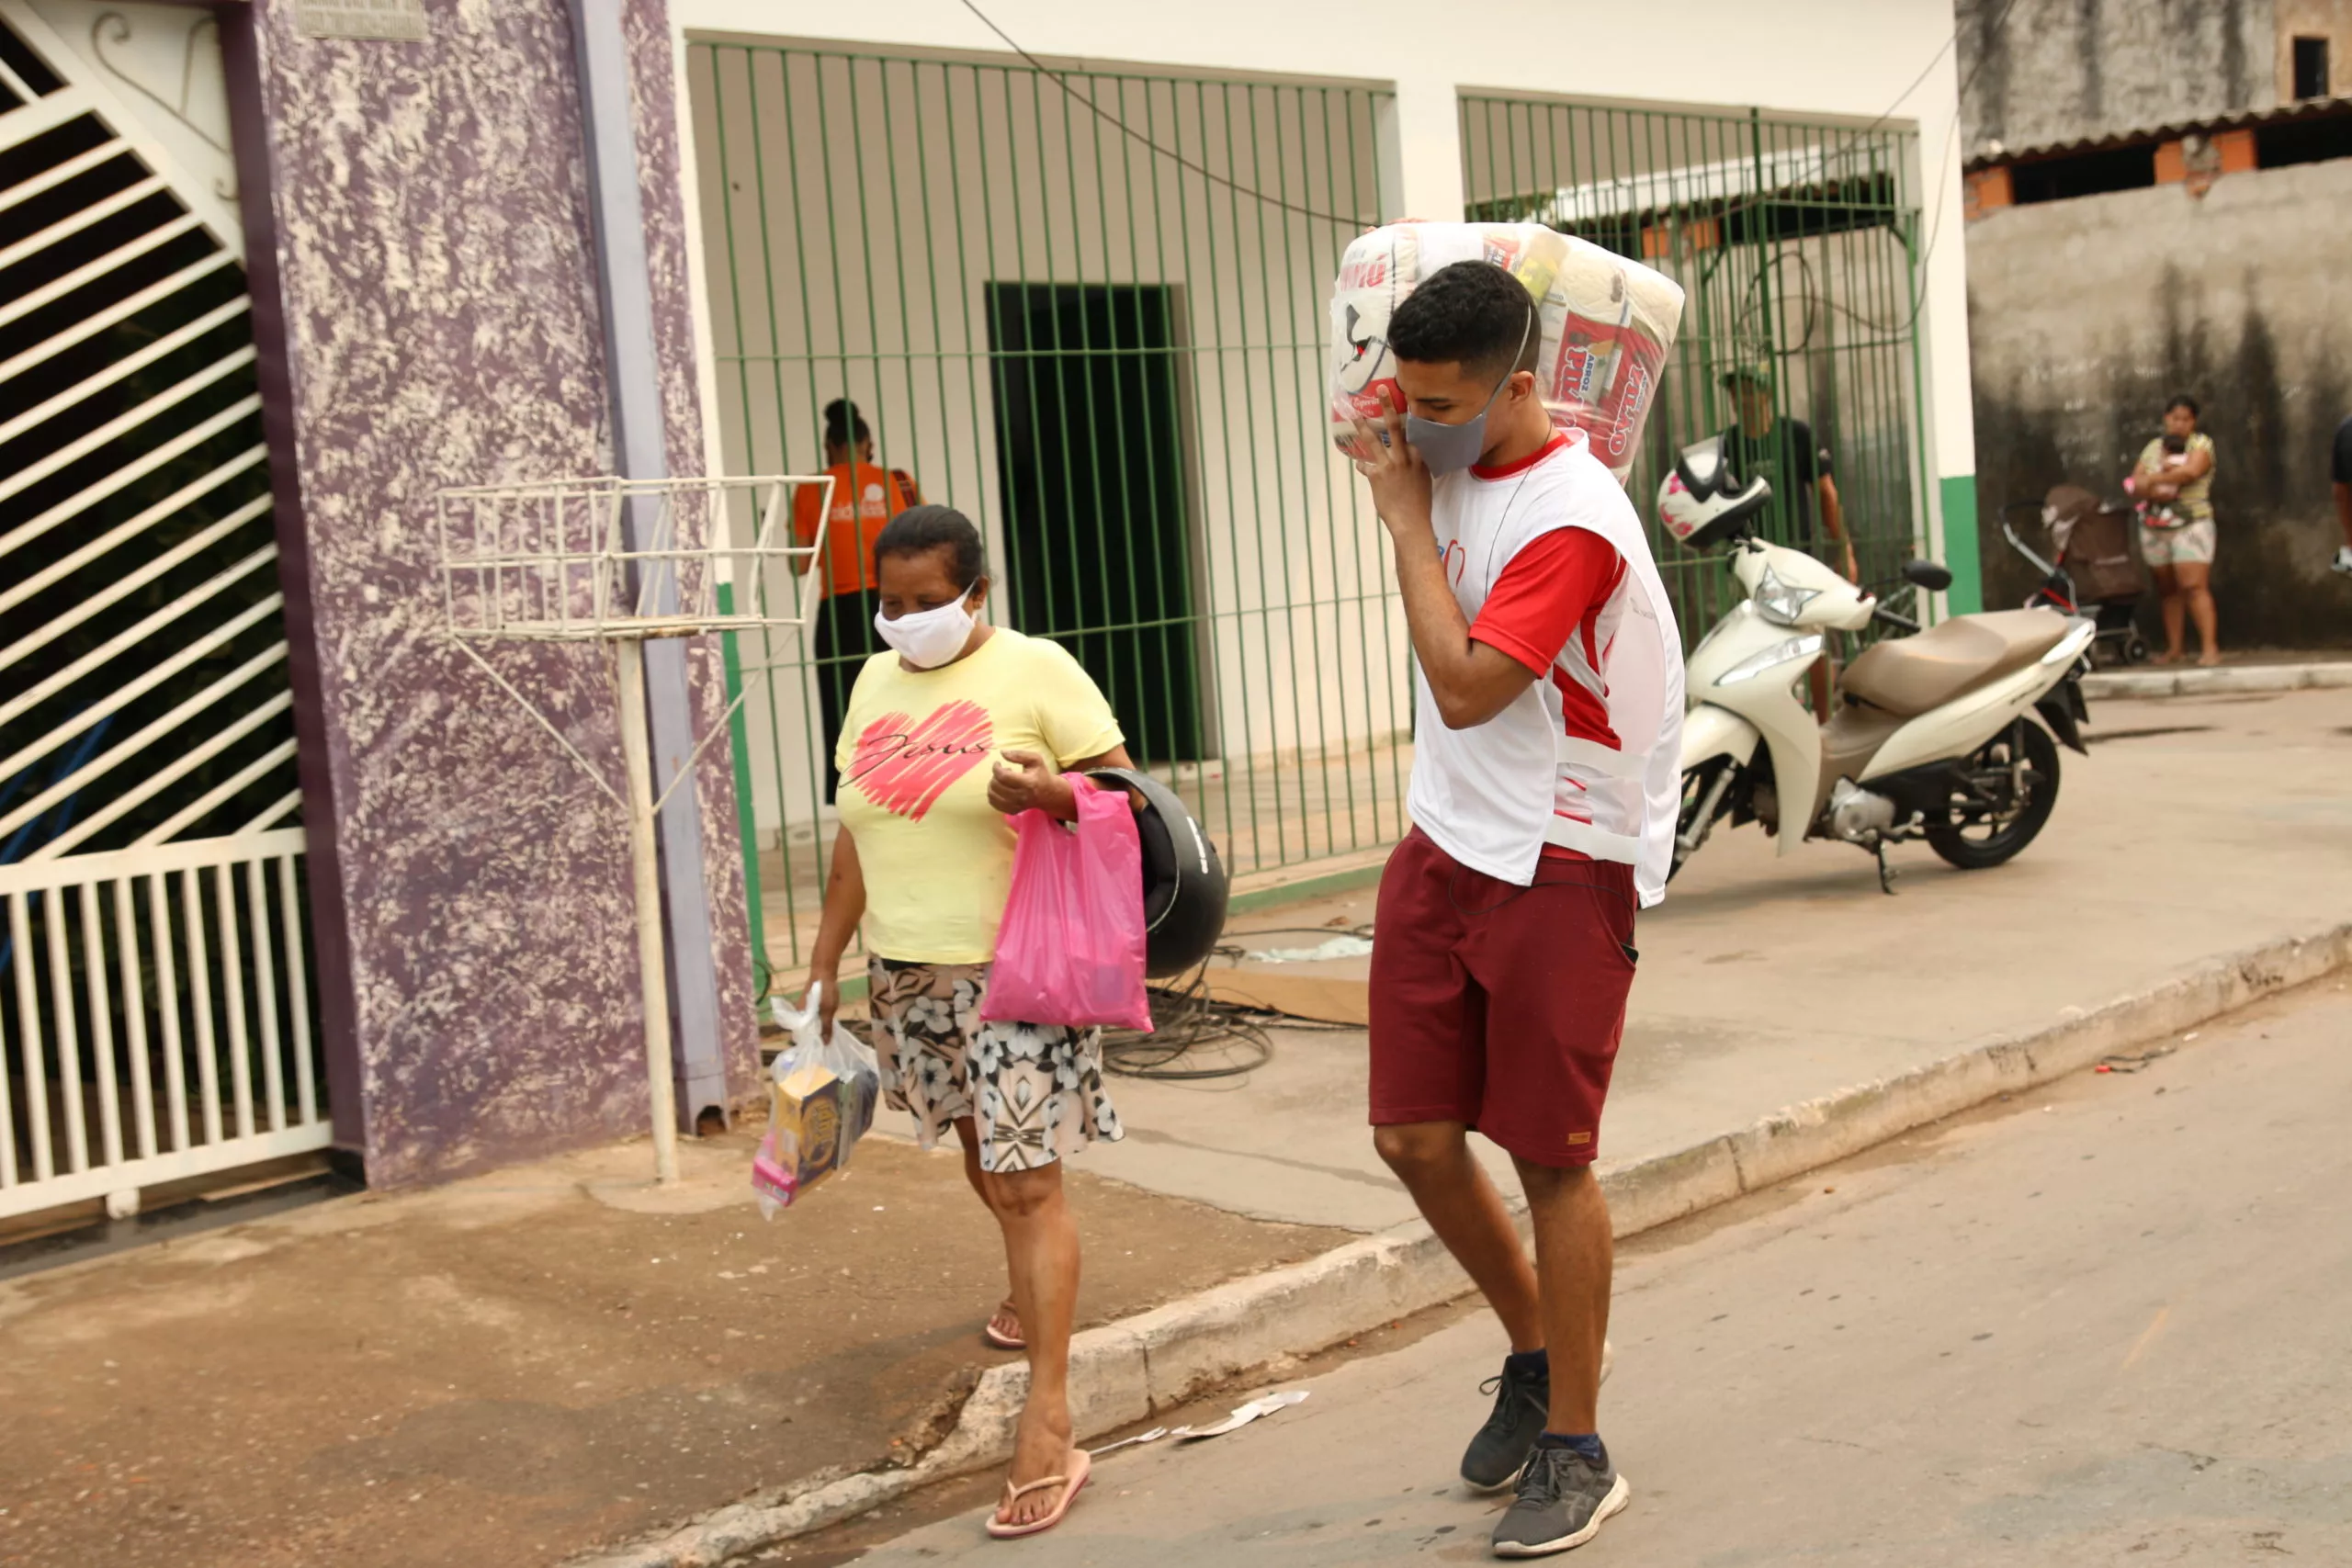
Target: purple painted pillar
column 424, row 294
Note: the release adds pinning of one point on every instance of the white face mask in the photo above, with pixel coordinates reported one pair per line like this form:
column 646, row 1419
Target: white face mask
column 928, row 638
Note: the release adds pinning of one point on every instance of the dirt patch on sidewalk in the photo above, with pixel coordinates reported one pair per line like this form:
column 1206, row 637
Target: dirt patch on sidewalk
column 520, row 1367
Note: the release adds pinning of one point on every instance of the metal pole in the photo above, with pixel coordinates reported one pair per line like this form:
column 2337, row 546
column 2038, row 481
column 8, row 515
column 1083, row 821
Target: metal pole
column 645, row 872
column 633, row 368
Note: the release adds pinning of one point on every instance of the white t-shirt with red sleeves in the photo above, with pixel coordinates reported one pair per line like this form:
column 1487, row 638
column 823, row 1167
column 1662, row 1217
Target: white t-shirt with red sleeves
column 1548, row 561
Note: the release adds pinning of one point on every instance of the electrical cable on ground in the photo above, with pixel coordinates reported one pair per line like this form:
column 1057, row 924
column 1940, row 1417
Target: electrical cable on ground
column 1194, row 1037
column 1189, row 1023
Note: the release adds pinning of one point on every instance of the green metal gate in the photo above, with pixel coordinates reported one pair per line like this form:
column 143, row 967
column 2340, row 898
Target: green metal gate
column 1088, row 309
column 1796, row 244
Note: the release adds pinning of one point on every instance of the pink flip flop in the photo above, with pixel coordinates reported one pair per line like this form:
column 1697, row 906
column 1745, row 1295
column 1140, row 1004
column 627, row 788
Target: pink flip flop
column 1000, row 1340
column 1071, row 1484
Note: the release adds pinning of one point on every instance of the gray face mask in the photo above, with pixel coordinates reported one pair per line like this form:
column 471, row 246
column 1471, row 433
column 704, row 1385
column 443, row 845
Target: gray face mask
column 1450, row 448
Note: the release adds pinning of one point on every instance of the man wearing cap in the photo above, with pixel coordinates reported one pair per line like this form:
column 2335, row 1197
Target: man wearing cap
column 1546, row 749
column 1783, row 453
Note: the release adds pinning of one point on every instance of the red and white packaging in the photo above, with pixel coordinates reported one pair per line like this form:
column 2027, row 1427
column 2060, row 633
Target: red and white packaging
column 1607, row 324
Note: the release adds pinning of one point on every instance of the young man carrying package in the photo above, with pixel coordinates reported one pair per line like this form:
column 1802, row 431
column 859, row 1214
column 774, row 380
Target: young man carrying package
column 1545, row 790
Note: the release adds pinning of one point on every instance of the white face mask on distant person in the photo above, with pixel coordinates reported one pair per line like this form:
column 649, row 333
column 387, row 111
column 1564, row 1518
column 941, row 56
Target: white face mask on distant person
column 928, row 638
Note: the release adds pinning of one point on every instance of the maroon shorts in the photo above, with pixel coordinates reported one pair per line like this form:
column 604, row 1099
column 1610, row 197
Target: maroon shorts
column 1499, row 1005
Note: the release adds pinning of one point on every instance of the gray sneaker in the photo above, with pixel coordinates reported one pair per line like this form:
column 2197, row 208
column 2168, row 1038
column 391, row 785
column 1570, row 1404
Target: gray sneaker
column 1498, row 1452
column 1562, row 1497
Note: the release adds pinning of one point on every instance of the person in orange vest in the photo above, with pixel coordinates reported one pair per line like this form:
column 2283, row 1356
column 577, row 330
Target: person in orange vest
column 865, row 496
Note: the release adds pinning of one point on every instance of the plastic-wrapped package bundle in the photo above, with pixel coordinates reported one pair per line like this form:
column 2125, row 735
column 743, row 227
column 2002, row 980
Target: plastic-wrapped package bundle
column 820, row 1102
column 1608, row 323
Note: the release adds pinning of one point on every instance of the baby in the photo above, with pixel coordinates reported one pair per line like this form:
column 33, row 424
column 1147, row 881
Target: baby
column 2164, row 485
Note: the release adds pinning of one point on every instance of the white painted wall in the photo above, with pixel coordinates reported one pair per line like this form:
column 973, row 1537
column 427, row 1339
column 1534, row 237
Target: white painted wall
column 1815, row 57
column 1819, row 58
column 855, row 215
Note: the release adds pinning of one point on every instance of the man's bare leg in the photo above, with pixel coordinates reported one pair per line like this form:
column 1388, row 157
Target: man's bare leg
column 1433, row 1160
column 1823, row 678
column 1570, row 1486
column 1575, row 1259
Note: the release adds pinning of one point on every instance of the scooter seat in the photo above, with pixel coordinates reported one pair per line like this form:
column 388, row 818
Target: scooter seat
column 1909, row 675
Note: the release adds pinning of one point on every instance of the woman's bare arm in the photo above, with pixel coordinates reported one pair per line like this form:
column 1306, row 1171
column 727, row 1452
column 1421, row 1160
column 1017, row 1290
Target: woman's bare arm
column 1022, row 781
column 844, row 908
column 2192, row 467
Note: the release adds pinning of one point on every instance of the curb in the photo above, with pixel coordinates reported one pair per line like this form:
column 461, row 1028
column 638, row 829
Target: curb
column 2217, row 682
column 1128, row 1370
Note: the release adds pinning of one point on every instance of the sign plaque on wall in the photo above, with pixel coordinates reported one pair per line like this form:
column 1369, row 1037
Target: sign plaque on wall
column 399, row 21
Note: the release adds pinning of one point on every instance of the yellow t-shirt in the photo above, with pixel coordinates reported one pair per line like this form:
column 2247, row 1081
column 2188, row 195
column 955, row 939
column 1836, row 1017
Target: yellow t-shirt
column 916, row 751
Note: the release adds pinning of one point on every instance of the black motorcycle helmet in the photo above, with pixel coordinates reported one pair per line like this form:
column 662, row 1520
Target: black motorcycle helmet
column 1184, row 884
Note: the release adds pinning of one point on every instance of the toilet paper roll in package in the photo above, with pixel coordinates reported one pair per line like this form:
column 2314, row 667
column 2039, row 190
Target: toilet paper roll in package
column 1607, row 324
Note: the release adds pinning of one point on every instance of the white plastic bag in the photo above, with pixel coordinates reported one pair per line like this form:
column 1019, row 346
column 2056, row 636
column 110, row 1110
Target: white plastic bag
column 821, row 1101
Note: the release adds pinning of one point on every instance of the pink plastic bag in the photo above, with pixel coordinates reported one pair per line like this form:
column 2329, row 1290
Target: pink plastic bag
column 1070, row 951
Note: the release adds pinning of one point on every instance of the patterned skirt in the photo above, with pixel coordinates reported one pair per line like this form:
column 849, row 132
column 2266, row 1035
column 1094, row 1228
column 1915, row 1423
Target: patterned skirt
column 1033, row 1090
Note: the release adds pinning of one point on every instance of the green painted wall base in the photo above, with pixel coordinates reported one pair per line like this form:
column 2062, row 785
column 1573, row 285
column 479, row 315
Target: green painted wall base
column 740, row 740
column 1308, row 887
column 1960, row 547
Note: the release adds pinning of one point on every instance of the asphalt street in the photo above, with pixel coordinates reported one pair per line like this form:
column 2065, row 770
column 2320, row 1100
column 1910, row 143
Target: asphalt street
column 2106, row 1323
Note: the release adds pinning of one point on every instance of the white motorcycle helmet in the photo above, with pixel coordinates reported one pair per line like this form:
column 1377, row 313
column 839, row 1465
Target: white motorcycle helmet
column 1702, row 503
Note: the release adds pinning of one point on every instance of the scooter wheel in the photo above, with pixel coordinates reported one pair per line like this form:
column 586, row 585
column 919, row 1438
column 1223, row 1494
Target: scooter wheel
column 2135, row 649
column 1981, row 845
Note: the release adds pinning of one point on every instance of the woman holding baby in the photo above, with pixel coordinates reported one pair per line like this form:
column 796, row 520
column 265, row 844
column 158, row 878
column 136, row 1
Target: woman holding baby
column 2173, row 482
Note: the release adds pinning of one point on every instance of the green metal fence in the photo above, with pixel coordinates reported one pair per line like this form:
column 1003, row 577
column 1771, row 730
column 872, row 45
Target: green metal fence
column 1796, row 244
column 1088, row 309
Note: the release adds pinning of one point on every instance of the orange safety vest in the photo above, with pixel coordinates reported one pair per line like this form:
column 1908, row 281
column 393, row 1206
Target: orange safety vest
column 865, row 496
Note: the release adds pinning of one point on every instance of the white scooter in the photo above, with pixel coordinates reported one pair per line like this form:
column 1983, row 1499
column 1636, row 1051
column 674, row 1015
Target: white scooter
column 1931, row 738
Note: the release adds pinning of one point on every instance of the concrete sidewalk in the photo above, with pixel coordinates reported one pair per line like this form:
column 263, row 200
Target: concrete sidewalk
column 1790, row 1015
column 2099, row 1324
column 518, row 1368
column 2198, row 826
column 2285, row 673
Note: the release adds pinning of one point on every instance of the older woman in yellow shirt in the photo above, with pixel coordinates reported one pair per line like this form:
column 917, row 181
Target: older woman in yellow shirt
column 955, row 728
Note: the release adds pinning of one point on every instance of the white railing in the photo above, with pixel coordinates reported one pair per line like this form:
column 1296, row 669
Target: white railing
column 155, row 994
column 159, row 1024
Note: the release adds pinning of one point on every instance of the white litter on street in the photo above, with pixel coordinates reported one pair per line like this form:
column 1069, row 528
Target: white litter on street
column 1348, row 946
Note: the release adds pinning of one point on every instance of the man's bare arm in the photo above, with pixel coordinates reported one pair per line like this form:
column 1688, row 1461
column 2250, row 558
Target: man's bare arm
column 1471, row 681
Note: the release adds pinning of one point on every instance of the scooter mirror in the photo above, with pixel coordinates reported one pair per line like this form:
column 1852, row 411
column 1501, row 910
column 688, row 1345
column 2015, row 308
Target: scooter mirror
column 1927, row 574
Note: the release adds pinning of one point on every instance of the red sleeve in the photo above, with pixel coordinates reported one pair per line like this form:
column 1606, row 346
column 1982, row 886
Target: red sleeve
column 1545, row 593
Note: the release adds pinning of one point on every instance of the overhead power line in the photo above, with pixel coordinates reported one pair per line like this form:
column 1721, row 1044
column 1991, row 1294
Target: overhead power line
column 1129, row 131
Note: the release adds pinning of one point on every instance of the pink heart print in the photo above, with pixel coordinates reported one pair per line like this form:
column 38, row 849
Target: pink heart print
column 904, row 767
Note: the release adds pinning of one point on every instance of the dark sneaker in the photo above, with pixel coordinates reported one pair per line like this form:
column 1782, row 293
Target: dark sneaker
column 1499, row 1451
column 1562, row 1497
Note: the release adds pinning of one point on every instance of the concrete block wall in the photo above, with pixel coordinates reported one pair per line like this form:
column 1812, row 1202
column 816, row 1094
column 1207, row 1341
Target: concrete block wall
column 2049, row 71
column 424, row 289
column 2087, row 315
